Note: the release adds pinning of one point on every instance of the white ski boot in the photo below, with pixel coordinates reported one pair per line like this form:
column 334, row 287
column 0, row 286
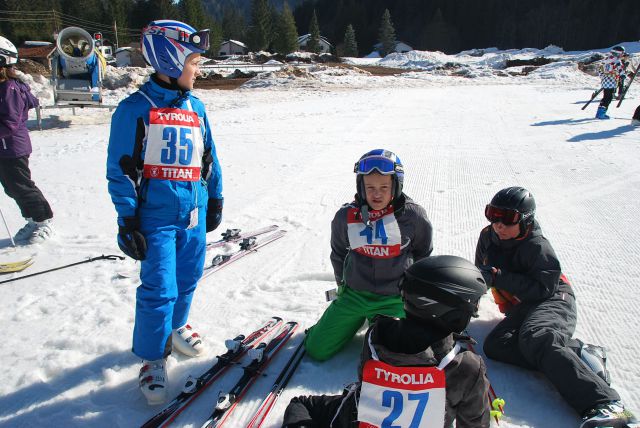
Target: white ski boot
column 153, row 381
column 187, row 341
column 42, row 232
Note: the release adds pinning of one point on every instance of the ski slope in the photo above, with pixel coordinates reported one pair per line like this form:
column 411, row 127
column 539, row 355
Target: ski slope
column 287, row 148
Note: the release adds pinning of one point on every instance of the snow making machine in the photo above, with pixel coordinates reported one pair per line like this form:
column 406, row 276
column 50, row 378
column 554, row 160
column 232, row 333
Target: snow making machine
column 77, row 69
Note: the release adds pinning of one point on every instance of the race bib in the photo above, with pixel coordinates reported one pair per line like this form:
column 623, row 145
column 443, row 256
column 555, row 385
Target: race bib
column 401, row 397
column 381, row 241
column 174, row 145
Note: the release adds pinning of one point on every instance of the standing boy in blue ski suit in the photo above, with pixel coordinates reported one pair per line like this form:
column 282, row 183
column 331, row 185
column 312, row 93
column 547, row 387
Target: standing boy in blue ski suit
column 166, row 184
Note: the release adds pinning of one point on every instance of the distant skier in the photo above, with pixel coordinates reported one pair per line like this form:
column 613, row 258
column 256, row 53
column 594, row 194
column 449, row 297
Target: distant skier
column 420, row 360
column 527, row 283
column 16, row 100
column 625, row 65
column 166, row 184
column 373, row 240
column 611, row 72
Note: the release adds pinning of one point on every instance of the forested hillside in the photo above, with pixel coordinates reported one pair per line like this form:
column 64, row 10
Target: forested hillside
column 444, row 25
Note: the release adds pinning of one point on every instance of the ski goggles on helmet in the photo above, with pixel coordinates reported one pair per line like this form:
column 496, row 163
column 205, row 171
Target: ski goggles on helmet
column 199, row 39
column 381, row 164
column 4, row 53
column 506, row 216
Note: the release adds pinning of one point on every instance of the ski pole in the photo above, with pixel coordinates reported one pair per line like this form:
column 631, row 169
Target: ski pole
column 278, row 387
column 495, row 403
column 593, row 96
column 7, row 227
column 92, row 259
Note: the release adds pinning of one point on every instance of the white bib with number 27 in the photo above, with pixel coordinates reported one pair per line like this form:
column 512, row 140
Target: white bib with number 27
column 401, row 397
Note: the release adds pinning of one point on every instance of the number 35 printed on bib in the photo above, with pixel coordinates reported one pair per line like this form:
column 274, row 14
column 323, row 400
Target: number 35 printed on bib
column 174, row 145
column 401, row 397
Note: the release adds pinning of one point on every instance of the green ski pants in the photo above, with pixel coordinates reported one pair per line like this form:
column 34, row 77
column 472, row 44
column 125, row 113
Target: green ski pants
column 344, row 316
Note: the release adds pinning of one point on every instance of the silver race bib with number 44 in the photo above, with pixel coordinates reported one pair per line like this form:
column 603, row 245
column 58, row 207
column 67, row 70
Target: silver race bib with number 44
column 401, row 397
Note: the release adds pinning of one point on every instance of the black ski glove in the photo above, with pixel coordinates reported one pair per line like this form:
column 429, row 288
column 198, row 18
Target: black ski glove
column 130, row 240
column 214, row 213
column 489, row 275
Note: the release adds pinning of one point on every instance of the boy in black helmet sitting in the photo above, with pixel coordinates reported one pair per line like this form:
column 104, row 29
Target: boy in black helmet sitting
column 414, row 371
column 526, row 281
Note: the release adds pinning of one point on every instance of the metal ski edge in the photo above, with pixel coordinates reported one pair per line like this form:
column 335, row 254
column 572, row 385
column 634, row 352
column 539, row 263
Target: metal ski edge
column 223, row 362
column 278, row 387
column 241, row 253
column 241, row 235
column 252, row 372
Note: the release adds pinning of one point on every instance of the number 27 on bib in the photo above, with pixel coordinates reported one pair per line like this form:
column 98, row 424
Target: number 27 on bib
column 401, row 397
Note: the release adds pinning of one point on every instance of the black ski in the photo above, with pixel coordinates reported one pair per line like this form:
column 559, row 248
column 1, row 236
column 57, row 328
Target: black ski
column 624, row 92
column 278, row 387
column 593, row 96
column 264, row 353
column 194, row 387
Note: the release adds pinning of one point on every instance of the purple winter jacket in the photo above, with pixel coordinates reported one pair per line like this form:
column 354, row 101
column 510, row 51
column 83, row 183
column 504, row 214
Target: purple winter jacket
column 15, row 101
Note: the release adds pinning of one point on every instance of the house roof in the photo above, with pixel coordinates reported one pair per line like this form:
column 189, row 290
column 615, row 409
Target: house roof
column 36, row 51
column 305, row 37
column 235, row 42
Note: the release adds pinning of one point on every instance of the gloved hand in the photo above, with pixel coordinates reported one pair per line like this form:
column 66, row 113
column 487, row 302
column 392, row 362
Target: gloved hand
column 130, row 240
column 489, row 274
column 214, row 213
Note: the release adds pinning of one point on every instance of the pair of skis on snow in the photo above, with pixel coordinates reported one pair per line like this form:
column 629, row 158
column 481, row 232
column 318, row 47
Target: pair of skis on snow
column 249, row 242
column 261, row 345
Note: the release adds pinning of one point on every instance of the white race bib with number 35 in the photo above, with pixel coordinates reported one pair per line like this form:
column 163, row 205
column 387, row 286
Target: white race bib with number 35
column 174, row 145
column 401, row 397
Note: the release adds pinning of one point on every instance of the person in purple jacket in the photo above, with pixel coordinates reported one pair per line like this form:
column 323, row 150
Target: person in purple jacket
column 16, row 100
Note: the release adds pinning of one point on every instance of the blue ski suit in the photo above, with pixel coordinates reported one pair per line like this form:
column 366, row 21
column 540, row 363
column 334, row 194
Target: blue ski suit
column 166, row 209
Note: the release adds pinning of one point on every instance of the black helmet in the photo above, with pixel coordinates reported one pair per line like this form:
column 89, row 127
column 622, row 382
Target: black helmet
column 383, row 162
column 442, row 290
column 512, row 205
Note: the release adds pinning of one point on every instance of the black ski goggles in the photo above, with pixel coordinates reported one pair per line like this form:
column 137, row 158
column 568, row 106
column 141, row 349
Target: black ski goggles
column 199, row 39
column 3, row 60
column 506, row 216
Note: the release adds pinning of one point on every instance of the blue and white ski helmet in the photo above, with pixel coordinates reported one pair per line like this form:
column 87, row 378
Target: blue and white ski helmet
column 383, row 162
column 166, row 44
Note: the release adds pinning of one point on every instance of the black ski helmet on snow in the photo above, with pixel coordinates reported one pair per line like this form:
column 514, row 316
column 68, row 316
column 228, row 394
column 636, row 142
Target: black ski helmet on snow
column 618, row 50
column 513, row 205
column 443, row 290
column 383, row 162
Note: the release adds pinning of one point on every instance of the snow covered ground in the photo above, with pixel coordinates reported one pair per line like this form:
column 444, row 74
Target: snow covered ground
column 287, row 145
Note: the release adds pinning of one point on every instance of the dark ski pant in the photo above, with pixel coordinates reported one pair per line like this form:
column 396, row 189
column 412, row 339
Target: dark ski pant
column 636, row 115
column 15, row 178
column 537, row 336
column 319, row 411
column 607, row 97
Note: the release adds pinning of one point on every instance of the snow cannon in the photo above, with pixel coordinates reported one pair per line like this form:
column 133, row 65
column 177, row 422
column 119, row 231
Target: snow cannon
column 76, row 48
column 76, row 69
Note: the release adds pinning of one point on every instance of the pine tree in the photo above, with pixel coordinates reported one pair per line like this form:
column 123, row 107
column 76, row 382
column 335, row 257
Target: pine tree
column 233, row 24
column 286, row 37
column 386, row 34
column 313, row 44
column 350, row 43
column 193, row 13
column 259, row 32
